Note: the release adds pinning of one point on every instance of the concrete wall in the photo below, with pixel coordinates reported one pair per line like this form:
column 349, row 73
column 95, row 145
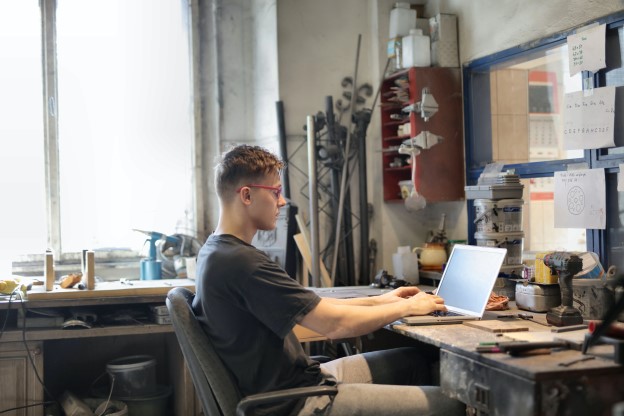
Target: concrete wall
column 298, row 51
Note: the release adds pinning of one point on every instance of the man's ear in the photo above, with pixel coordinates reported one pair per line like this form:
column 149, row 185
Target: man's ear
column 245, row 196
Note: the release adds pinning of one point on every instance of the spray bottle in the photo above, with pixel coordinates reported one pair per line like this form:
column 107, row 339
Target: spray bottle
column 151, row 268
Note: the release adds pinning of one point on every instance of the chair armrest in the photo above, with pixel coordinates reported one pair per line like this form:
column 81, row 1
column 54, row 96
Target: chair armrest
column 255, row 400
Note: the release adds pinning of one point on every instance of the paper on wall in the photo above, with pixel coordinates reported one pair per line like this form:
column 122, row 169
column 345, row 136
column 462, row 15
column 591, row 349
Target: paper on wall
column 588, row 118
column 620, row 178
column 586, row 50
column 580, row 199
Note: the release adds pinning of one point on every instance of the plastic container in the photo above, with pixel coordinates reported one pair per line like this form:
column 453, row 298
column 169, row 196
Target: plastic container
column 405, row 264
column 505, row 287
column 402, row 19
column 155, row 404
column 487, row 218
column 415, row 49
column 132, row 376
column 513, row 242
column 593, row 297
column 494, row 191
column 406, row 188
column 511, row 212
column 544, row 274
column 592, row 268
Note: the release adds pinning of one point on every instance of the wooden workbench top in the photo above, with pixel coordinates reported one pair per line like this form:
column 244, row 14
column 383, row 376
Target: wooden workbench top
column 115, row 288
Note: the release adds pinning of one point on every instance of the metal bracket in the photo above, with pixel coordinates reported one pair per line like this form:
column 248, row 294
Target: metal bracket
column 424, row 140
column 426, row 107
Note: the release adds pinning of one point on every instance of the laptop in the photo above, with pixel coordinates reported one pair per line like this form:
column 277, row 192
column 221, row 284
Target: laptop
column 466, row 284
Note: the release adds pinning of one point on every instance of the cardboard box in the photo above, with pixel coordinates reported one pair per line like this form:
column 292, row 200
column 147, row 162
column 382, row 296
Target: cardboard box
column 444, row 46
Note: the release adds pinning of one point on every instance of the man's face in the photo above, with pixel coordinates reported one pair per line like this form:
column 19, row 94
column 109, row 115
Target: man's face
column 267, row 199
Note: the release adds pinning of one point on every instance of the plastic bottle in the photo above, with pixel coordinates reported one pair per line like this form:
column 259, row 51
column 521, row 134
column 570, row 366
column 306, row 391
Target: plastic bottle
column 416, row 49
column 402, row 19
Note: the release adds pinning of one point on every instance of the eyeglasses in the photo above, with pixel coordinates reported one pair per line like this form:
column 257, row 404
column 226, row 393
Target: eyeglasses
column 277, row 190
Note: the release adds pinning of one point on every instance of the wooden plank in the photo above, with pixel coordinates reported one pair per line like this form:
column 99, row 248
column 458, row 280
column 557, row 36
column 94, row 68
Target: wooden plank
column 112, row 289
column 497, row 326
column 304, row 249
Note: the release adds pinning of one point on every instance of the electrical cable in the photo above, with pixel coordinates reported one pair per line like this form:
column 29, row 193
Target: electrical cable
column 28, row 353
column 27, row 406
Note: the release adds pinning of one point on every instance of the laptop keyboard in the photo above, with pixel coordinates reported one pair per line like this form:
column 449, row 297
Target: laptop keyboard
column 445, row 313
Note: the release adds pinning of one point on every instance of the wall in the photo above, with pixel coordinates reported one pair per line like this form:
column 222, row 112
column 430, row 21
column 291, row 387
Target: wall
column 317, row 48
column 314, row 43
column 238, row 77
column 484, row 25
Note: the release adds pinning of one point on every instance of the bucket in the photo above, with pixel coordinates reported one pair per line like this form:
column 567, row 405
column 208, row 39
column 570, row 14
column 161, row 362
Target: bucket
column 505, row 287
column 511, row 212
column 513, row 242
column 593, row 297
column 487, row 219
column 592, row 268
column 132, row 376
column 155, row 404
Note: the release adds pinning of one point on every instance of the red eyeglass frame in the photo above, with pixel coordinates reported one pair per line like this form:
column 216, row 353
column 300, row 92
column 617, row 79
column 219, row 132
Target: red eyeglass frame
column 277, row 190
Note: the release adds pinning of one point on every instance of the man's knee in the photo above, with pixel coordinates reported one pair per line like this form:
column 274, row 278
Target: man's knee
column 404, row 366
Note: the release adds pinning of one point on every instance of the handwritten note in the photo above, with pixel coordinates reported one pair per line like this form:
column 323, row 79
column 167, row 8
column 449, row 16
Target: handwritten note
column 580, row 200
column 588, row 119
column 586, row 50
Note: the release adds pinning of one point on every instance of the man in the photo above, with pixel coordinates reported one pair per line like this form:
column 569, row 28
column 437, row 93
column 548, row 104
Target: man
column 248, row 305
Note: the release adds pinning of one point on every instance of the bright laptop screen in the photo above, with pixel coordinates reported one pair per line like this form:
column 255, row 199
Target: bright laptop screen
column 469, row 277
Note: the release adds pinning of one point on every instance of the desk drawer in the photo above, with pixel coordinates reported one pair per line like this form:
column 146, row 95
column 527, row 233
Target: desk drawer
column 485, row 388
column 498, row 392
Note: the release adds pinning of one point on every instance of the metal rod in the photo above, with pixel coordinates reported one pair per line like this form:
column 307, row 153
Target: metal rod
column 314, row 215
column 345, row 166
column 362, row 120
column 281, row 132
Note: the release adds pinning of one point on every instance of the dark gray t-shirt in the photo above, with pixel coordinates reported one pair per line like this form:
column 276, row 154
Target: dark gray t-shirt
column 249, row 306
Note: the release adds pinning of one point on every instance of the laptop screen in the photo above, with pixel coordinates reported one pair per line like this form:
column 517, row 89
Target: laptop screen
column 469, row 277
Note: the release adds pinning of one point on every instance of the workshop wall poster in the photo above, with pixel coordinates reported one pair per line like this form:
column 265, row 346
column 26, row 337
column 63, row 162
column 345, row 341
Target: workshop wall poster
column 580, row 199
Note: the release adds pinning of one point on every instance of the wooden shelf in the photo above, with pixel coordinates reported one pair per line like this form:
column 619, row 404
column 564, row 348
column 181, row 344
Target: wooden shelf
column 440, row 169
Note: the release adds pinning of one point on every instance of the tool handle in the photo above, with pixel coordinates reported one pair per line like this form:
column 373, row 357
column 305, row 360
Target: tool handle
column 516, row 348
column 565, row 284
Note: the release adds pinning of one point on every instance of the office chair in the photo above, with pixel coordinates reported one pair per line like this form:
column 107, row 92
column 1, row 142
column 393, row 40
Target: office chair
column 214, row 384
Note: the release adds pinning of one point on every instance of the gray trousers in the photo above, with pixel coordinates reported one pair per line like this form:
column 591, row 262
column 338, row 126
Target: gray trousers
column 389, row 382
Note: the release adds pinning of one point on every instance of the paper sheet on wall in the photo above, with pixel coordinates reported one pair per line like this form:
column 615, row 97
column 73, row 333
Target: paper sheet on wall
column 586, row 50
column 580, row 200
column 620, row 178
column 588, row 119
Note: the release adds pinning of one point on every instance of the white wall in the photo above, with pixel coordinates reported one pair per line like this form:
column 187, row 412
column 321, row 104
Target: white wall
column 317, row 48
column 315, row 45
column 488, row 26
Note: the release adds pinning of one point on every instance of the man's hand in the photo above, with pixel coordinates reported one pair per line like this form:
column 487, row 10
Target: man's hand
column 398, row 294
column 423, row 303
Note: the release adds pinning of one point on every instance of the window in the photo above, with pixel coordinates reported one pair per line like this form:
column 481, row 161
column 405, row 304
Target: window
column 513, row 108
column 112, row 148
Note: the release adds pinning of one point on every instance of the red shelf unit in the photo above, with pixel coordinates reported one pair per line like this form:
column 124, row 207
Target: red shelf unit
column 440, row 169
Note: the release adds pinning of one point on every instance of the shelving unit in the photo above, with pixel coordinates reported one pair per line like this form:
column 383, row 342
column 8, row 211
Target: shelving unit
column 440, row 169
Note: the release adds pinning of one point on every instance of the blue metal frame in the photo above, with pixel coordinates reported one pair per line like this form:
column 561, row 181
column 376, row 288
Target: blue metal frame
column 597, row 240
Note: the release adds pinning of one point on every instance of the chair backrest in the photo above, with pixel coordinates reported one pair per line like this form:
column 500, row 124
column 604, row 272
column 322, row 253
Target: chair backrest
column 214, row 384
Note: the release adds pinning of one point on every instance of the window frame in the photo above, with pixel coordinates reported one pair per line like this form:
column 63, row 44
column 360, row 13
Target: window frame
column 597, row 240
column 27, row 262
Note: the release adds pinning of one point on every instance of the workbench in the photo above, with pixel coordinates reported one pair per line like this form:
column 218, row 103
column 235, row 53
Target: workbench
column 501, row 384
column 493, row 383
column 73, row 359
